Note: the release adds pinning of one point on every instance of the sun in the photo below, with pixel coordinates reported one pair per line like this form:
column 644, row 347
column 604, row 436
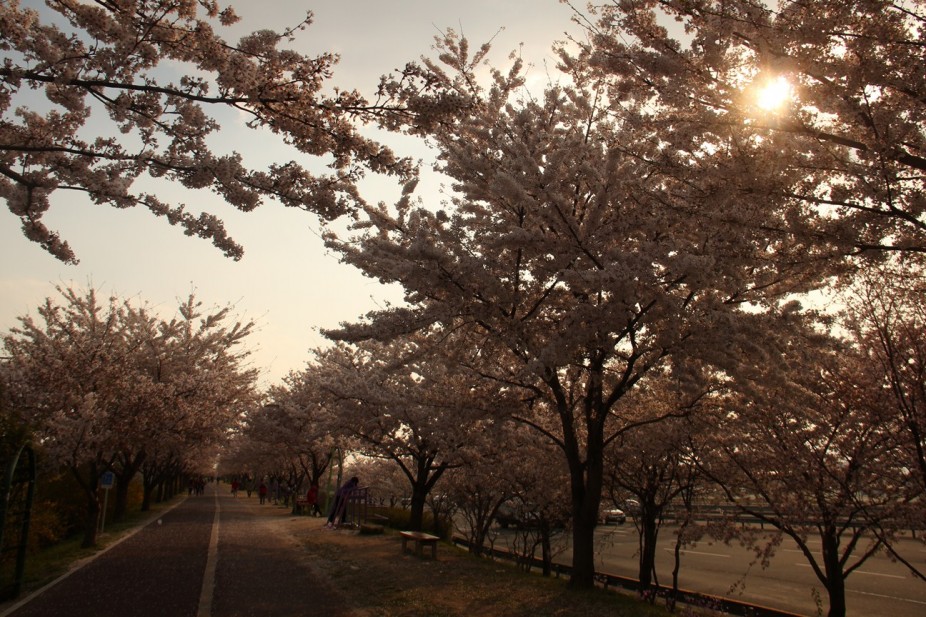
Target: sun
column 773, row 95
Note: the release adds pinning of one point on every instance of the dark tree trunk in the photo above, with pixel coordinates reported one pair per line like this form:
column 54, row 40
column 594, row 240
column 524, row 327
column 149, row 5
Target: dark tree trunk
column 92, row 521
column 416, row 523
column 90, row 485
column 586, row 479
column 649, row 534
column 546, row 548
column 124, row 475
column 835, row 579
column 482, row 525
column 422, row 479
column 151, row 478
column 583, row 555
column 147, row 492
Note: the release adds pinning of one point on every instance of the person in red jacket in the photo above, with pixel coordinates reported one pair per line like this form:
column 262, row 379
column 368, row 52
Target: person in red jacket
column 311, row 500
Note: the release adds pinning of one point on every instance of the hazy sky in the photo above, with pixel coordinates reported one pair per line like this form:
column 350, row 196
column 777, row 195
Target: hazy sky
column 286, row 281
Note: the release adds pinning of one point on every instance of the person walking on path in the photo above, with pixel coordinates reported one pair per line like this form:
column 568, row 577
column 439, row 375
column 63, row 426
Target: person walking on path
column 311, row 500
column 262, row 492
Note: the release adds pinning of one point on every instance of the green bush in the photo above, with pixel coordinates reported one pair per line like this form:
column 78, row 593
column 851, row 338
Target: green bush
column 46, row 526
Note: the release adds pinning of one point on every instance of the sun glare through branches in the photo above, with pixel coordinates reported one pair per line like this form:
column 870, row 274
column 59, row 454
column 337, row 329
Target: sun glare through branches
column 774, row 93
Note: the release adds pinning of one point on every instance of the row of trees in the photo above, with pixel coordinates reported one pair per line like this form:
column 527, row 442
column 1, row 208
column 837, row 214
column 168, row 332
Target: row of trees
column 620, row 250
column 821, row 440
column 644, row 221
column 105, row 385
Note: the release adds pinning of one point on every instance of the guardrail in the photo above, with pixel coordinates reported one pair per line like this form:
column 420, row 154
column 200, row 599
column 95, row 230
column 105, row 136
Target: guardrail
column 685, row 596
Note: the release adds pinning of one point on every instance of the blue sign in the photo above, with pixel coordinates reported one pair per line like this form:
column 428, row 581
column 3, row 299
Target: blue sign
column 107, row 480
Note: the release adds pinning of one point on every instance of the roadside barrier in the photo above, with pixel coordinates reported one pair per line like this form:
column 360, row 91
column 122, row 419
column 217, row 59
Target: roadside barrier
column 684, row 596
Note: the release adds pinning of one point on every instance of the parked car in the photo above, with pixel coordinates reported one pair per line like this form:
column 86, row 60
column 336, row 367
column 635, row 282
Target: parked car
column 523, row 516
column 613, row 515
column 507, row 516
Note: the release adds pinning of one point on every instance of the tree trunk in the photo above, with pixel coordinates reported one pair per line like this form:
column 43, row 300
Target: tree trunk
column 150, row 482
column 121, row 501
column 147, row 492
column 546, row 547
column 649, row 533
column 92, row 521
column 583, row 555
column 586, row 498
column 585, row 479
column 90, row 485
column 482, row 525
column 835, row 579
column 837, row 597
column 124, row 475
column 422, row 478
column 416, row 523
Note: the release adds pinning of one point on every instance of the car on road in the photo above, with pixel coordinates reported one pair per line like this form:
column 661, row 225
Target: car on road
column 525, row 516
column 507, row 516
column 613, row 515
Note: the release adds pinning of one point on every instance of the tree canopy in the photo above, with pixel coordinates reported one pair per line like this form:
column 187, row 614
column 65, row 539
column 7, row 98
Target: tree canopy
column 845, row 144
column 107, row 384
column 161, row 74
column 628, row 245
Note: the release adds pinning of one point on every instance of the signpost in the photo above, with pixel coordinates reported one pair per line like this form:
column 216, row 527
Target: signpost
column 107, row 480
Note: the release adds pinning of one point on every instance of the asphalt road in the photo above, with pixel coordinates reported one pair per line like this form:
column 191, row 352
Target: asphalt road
column 210, row 556
column 879, row 587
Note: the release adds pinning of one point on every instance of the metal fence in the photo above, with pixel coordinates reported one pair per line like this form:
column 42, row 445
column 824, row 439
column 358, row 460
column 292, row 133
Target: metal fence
column 357, row 509
column 684, row 596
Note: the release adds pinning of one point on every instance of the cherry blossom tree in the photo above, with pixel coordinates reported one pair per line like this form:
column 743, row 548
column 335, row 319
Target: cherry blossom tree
column 803, row 450
column 14, row 428
column 485, row 479
column 886, row 320
column 827, row 94
column 164, row 464
column 119, row 61
column 105, row 383
column 397, row 401
column 887, row 316
column 71, row 373
column 388, row 485
column 199, row 387
column 577, row 268
column 206, row 385
column 538, row 481
column 292, row 428
column 651, row 462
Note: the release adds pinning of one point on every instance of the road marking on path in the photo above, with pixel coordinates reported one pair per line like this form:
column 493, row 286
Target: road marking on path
column 807, row 565
column 205, row 596
column 686, row 552
column 881, row 595
column 609, row 544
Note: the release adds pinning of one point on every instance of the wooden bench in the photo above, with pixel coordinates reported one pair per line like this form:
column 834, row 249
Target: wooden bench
column 303, row 506
column 420, row 539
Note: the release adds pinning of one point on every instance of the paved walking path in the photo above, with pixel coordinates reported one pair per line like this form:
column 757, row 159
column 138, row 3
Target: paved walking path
column 210, row 556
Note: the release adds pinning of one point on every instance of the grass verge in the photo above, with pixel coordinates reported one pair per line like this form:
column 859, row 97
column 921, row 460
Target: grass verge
column 380, row 581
